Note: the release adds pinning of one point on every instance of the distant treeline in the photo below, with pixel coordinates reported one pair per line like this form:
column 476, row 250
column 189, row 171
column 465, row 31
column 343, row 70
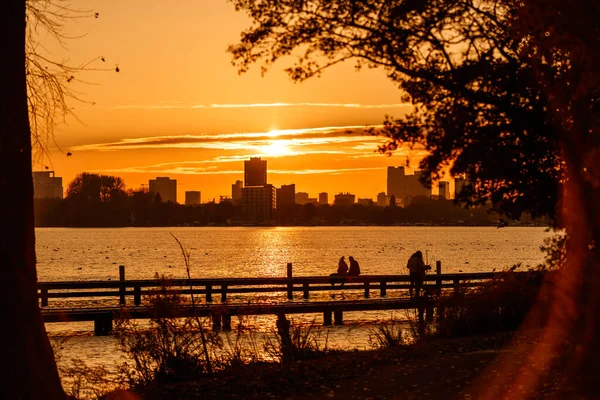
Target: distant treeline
column 102, row 201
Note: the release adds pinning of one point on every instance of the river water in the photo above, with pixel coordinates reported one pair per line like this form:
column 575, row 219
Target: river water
column 66, row 254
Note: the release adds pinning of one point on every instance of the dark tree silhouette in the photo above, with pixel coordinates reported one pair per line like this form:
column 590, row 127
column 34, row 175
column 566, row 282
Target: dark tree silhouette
column 505, row 92
column 27, row 369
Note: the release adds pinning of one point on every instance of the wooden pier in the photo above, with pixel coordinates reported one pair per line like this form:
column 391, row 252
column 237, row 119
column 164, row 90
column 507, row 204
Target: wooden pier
column 379, row 292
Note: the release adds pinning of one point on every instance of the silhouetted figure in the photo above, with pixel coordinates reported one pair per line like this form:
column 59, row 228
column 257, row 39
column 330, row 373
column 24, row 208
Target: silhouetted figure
column 416, row 268
column 354, row 267
column 342, row 271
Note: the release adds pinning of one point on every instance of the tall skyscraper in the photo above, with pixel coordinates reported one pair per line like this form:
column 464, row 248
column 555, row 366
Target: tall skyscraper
column 165, row 187
column 405, row 187
column 286, row 195
column 46, row 185
column 192, row 197
column 236, row 192
column 444, row 190
column 323, row 198
column 255, row 172
column 258, row 203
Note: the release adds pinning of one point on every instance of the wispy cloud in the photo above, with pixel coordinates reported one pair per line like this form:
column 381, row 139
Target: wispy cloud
column 240, row 140
column 177, row 105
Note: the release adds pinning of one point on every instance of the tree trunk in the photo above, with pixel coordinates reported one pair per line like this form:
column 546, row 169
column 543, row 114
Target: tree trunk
column 28, row 368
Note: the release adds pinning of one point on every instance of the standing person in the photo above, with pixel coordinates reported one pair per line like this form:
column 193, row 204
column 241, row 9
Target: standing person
column 342, row 271
column 416, row 268
column 354, row 267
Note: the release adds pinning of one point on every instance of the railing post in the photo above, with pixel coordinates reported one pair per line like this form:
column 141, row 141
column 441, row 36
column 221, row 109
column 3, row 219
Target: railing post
column 137, row 295
column 306, row 290
column 456, row 284
column 290, row 286
column 383, row 288
column 338, row 317
column 44, row 297
column 367, row 287
column 209, row 293
column 438, row 271
column 327, row 318
column 223, row 294
column 122, row 288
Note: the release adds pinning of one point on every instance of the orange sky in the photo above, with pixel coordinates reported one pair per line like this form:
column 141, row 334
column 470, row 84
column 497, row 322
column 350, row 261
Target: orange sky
column 179, row 108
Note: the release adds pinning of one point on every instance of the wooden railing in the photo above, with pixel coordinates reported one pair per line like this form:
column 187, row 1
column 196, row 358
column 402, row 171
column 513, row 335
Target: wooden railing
column 124, row 289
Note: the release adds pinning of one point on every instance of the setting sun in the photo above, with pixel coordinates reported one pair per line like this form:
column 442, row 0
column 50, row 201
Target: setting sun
column 276, row 148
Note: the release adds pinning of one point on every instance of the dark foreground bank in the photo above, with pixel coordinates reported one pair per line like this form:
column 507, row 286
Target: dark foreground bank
column 440, row 369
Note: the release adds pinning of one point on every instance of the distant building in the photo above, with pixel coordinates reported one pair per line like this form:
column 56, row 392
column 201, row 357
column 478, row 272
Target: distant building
column 258, row 203
column 312, row 200
column 323, row 198
column 46, row 185
column 459, row 184
column 165, row 187
column 444, row 190
column 286, row 195
column 225, row 199
column 255, row 172
column 344, row 199
column 192, row 197
column 236, row 192
column 365, row 202
column 405, row 187
column 382, row 199
column 301, row 198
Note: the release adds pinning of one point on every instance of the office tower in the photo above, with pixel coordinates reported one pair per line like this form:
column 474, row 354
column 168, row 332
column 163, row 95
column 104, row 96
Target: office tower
column 192, row 197
column 459, row 184
column 444, row 190
column 405, row 187
column 236, row 192
column 382, row 199
column 165, row 187
column 286, row 195
column 255, row 172
column 46, row 185
column 258, row 203
column 301, row 198
column 344, row 199
column 323, row 198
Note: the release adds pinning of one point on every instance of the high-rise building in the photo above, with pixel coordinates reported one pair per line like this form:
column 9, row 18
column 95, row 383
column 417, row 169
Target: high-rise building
column 301, row 198
column 236, row 192
column 46, row 185
column 192, row 197
column 323, row 198
column 255, row 172
column 344, row 199
column 382, row 199
column 459, row 184
column 444, row 190
column 286, row 195
column 405, row 187
column 258, row 203
column 165, row 187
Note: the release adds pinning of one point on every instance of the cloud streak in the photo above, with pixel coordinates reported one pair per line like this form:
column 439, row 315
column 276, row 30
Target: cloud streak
column 179, row 106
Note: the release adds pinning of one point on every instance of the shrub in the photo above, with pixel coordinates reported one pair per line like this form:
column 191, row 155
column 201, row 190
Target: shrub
column 500, row 304
column 387, row 334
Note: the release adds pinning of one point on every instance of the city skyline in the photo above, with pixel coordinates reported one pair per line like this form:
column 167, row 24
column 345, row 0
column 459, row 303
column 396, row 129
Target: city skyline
column 200, row 118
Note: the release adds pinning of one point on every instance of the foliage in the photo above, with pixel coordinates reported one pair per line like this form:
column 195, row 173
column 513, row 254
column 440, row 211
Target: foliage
column 387, row 334
column 555, row 248
column 306, row 343
column 484, row 79
column 170, row 349
column 501, row 304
